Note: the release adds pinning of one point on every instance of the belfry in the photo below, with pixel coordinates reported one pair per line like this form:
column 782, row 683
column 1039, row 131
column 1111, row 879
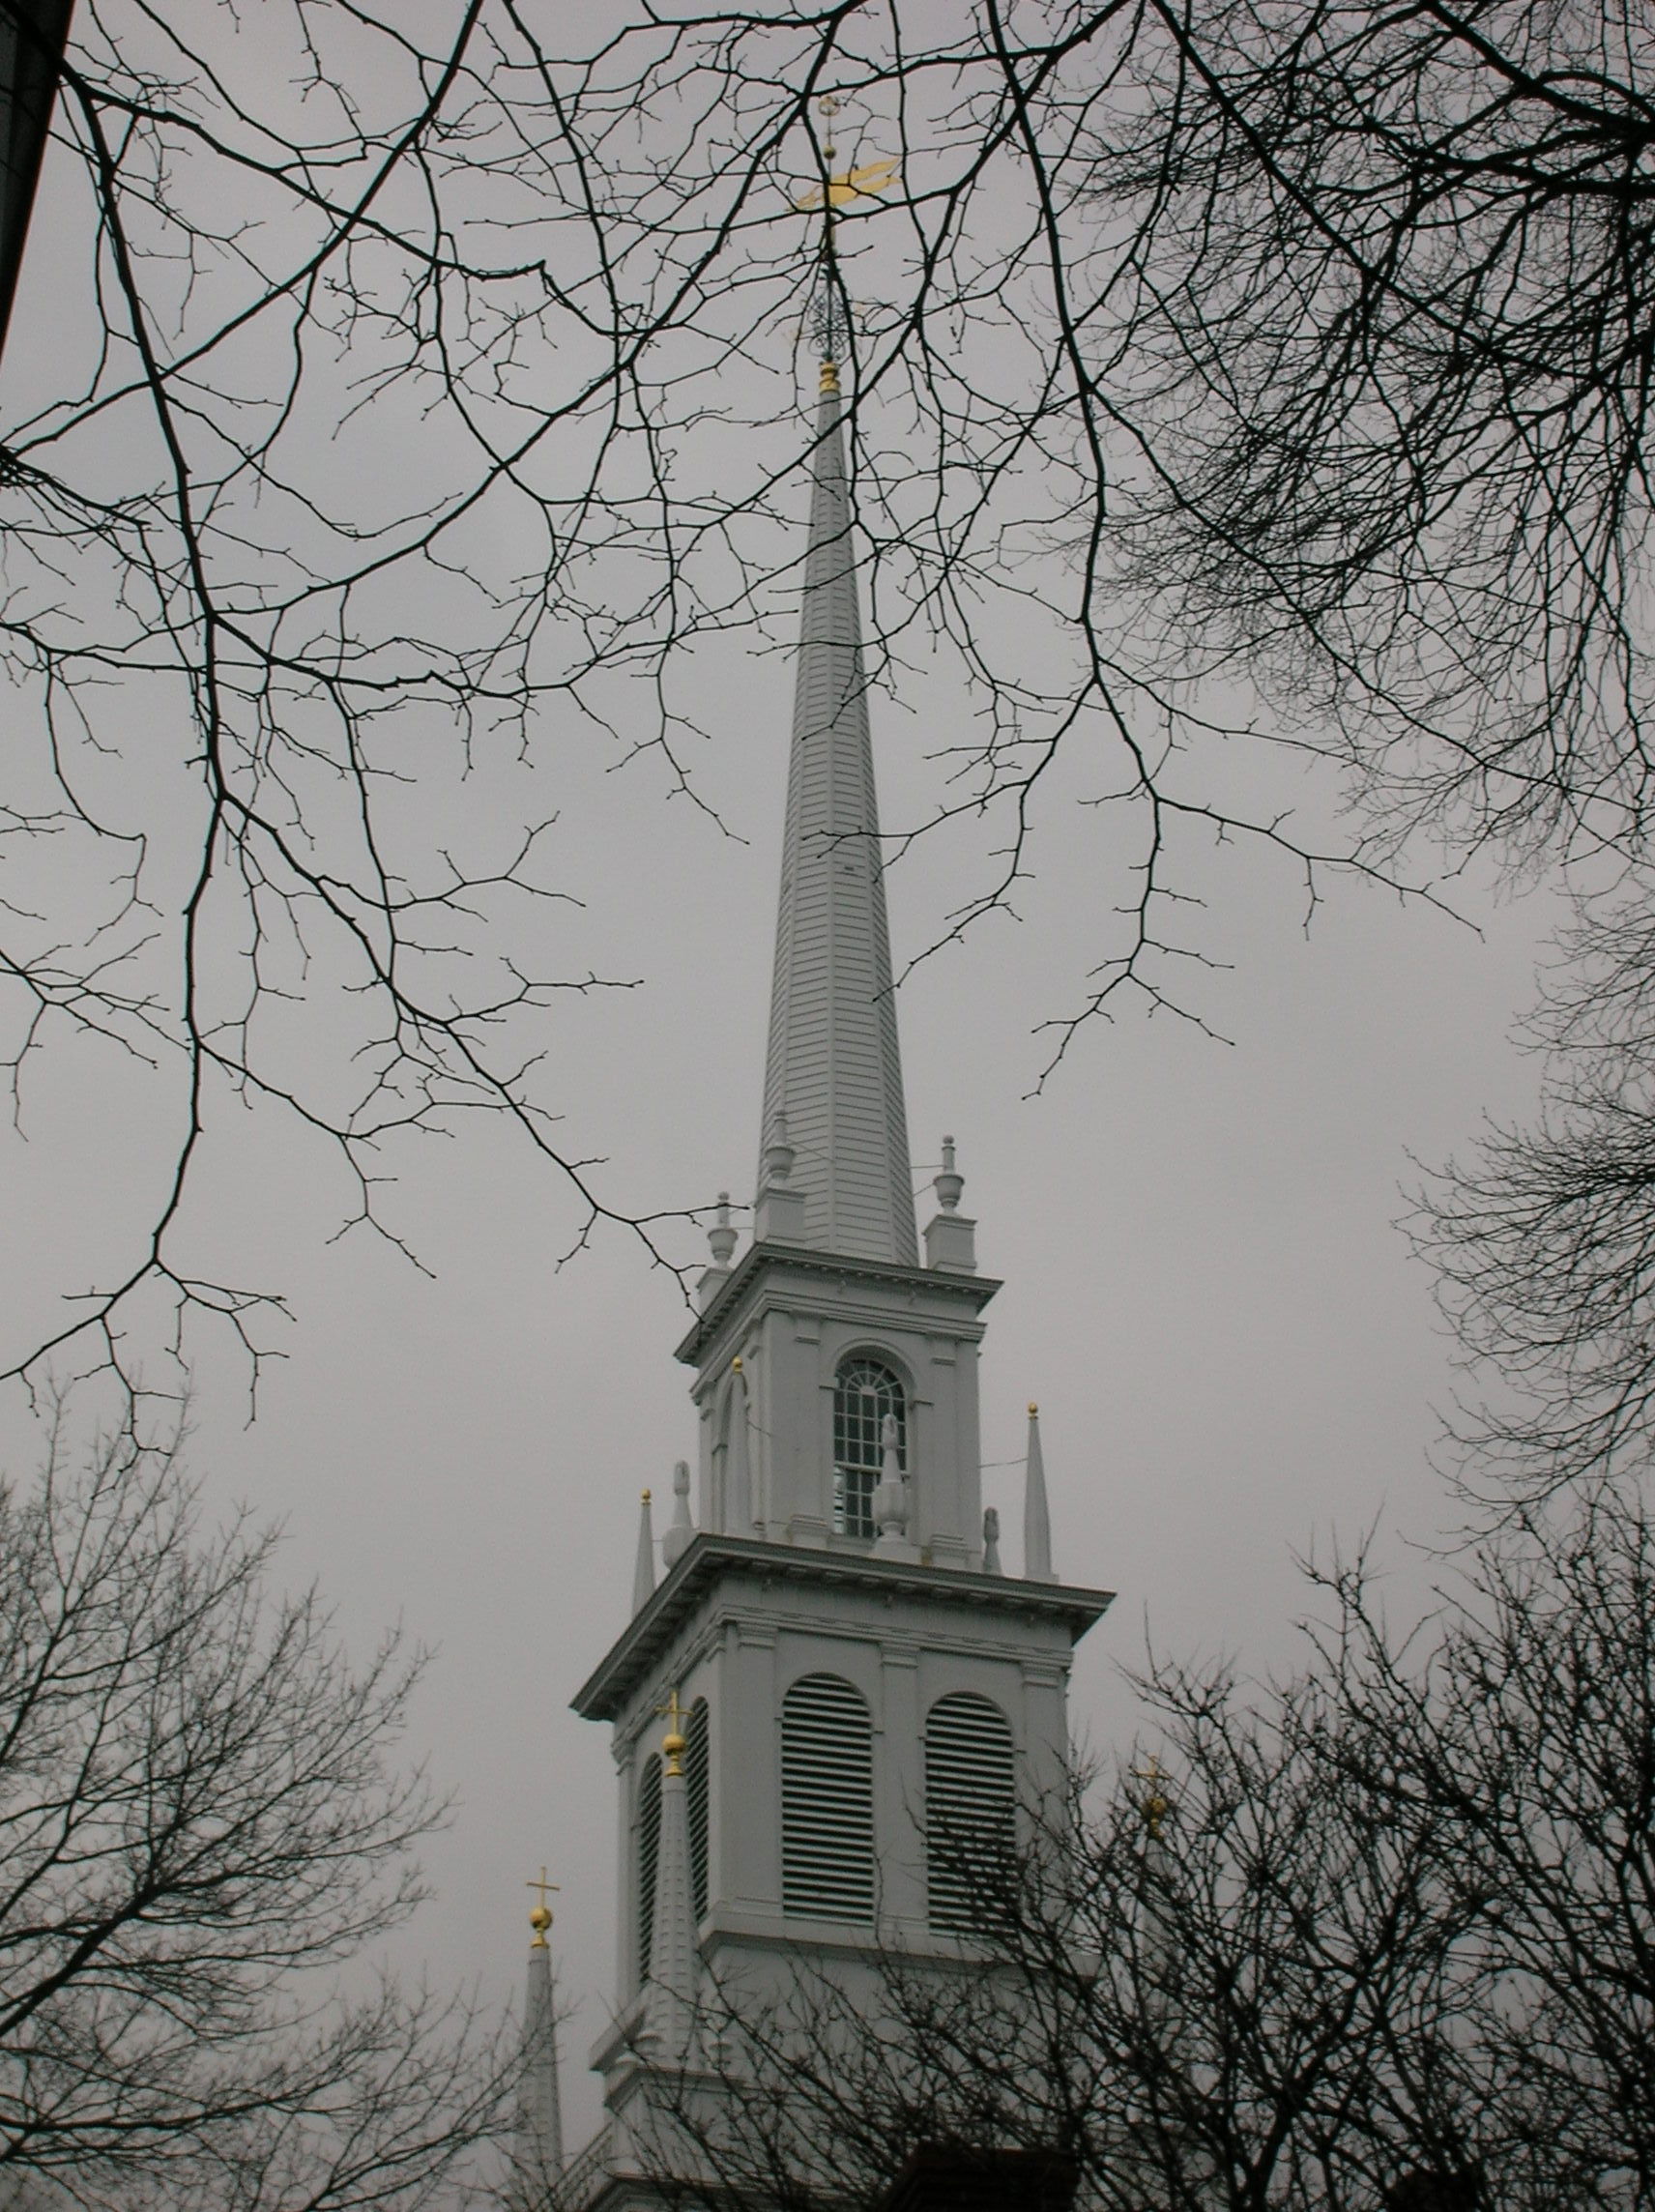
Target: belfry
column 833, row 1652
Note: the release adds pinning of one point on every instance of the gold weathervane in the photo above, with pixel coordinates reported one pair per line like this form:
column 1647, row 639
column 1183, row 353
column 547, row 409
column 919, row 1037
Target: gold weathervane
column 540, row 1913
column 840, row 188
column 864, row 184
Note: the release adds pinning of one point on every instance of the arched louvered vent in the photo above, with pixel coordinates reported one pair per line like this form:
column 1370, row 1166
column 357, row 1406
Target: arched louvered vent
column 697, row 1777
column 971, row 1808
column 826, row 1801
column 649, row 1851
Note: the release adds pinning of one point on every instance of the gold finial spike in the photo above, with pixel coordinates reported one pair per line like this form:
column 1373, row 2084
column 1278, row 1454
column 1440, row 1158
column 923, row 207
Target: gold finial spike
column 1033, row 1411
column 541, row 1913
column 645, row 1496
column 674, row 1741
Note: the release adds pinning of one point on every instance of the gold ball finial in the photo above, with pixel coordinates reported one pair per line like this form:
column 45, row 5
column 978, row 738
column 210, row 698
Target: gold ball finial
column 539, row 1912
column 673, row 1743
column 1033, row 1410
column 646, row 1497
column 735, row 1364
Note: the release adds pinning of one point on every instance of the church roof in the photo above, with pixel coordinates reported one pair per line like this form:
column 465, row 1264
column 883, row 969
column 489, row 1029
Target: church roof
column 834, row 1072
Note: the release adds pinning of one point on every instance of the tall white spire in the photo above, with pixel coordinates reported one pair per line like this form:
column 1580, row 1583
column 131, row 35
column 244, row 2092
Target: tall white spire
column 1036, row 1514
column 669, row 2016
column 537, row 2153
column 834, row 1076
column 644, row 1564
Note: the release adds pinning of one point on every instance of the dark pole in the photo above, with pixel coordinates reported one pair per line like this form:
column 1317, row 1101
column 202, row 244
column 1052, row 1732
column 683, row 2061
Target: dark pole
column 32, row 35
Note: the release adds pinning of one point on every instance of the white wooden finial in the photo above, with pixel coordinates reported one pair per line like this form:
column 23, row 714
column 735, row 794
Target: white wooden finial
column 1036, row 1514
column 950, row 1185
column 644, row 1572
column 721, row 1237
column 681, row 1534
column 890, row 1498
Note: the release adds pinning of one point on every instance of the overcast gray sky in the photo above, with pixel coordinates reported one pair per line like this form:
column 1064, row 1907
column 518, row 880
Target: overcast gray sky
column 1203, row 1287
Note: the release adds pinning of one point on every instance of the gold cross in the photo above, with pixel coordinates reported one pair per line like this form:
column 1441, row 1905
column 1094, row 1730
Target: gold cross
column 673, row 1743
column 1155, row 1805
column 540, row 1914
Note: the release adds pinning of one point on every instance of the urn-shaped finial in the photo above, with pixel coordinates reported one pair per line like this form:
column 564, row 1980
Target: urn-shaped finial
column 779, row 1154
column 681, row 1534
column 950, row 1185
column 721, row 1237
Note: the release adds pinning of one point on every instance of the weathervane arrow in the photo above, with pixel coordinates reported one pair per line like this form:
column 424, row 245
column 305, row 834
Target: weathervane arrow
column 864, row 184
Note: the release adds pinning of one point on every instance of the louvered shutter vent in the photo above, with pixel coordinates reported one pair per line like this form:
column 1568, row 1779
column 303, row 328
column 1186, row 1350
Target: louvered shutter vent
column 971, row 1808
column 696, row 1778
column 826, row 1801
column 649, row 1851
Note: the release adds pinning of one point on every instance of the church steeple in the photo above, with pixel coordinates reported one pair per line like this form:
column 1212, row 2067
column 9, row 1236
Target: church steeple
column 537, row 2151
column 834, row 1622
column 833, row 1075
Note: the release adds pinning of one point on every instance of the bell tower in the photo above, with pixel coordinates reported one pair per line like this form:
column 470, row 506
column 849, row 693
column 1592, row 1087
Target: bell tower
column 841, row 1659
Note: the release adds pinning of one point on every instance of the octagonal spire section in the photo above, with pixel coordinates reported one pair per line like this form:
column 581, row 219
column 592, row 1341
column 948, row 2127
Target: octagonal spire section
column 834, row 1070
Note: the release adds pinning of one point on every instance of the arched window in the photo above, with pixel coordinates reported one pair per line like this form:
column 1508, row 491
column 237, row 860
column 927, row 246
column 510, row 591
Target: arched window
column 970, row 1809
column 649, row 1851
column 826, row 1801
column 697, row 1778
column 864, row 1392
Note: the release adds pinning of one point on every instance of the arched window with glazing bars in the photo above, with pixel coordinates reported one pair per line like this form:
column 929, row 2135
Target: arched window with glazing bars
column 865, row 1391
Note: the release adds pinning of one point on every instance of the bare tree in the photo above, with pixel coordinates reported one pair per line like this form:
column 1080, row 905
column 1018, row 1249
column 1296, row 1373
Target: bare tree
column 1205, row 1993
column 1522, row 1738
column 414, row 406
column 1543, row 1241
column 203, row 1838
column 1380, row 1936
column 1391, row 318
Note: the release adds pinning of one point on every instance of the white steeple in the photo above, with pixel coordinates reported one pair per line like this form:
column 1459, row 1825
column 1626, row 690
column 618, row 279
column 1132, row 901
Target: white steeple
column 833, row 1075
column 644, row 1565
column 1036, row 1514
column 835, row 1616
column 669, row 2016
column 538, row 2152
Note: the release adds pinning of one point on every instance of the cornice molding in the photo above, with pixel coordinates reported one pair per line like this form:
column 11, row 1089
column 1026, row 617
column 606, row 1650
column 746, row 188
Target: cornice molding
column 711, row 1558
column 973, row 1290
